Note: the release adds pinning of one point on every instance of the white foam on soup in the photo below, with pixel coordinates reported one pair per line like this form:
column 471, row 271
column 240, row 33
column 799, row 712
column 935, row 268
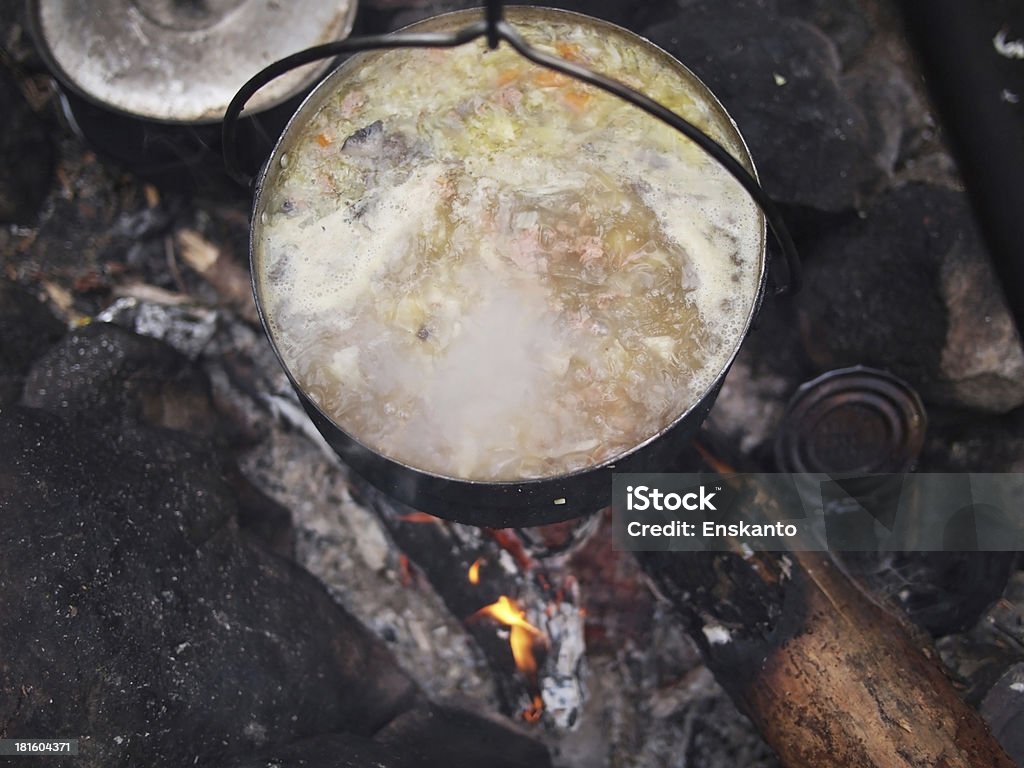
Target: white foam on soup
column 489, row 272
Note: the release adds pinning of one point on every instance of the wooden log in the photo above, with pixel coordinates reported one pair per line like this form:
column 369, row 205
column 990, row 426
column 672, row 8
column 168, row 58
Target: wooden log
column 830, row 677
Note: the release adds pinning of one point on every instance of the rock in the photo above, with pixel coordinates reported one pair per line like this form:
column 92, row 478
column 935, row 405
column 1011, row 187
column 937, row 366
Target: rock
column 27, row 330
column 843, row 21
column 908, row 289
column 983, row 359
column 103, row 372
column 779, row 77
column 137, row 618
column 898, row 116
column 26, row 154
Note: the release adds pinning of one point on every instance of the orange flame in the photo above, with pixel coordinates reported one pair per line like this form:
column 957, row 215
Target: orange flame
column 523, row 637
column 507, row 611
column 474, row 571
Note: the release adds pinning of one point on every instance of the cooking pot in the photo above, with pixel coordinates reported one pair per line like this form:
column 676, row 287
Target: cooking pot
column 536, row 500
column 146, row 82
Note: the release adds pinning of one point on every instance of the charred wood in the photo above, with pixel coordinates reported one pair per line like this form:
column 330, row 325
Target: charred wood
column 830, row 677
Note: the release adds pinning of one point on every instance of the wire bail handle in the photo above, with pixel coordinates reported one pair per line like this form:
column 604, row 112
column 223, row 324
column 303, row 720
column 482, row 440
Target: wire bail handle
column 495, row 29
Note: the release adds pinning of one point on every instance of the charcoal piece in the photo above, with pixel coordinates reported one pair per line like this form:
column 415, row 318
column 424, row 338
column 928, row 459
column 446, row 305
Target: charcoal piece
column 872, row 290
column 963, row 441
column 261, row 516
column 908, row 289
column 17, row 41
column 779, row 78
column 133, row 613
column 103, row 372
column 429, row 736
column 843, row 21
column 26, row 155
column 943, row 592
column 27, row 330
column 335, row 751
column 1003, row 708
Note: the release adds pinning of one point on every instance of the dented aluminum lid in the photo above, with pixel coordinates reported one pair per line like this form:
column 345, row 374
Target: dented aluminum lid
column 182, row 61
column 852, row 420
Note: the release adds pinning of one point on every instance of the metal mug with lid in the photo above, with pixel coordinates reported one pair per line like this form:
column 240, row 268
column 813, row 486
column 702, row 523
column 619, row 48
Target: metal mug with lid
column 147, row 82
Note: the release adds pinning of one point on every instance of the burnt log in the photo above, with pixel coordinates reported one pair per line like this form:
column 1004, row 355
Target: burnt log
column 830, row 677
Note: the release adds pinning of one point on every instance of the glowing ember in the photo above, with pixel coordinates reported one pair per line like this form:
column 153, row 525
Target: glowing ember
column 418, row 517
column 474, row 571
column 533, row 712
column 523, row 637
column 404, row 571
column 508, row 541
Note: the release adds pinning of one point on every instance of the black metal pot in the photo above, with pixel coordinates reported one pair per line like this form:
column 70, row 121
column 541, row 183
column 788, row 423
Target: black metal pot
column 531, row 501
column 145, row 82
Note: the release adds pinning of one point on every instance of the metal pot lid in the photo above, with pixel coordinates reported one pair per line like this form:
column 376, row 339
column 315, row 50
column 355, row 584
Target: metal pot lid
column 182, row 61
column 855, row 419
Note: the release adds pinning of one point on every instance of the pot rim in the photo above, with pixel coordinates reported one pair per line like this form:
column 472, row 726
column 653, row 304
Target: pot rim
column 323, row 90
column 67, row 81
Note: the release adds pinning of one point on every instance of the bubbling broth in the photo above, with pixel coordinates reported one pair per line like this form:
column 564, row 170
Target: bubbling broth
column 489, row 271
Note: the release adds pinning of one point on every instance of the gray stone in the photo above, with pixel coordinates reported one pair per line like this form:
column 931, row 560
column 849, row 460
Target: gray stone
column 983, row 359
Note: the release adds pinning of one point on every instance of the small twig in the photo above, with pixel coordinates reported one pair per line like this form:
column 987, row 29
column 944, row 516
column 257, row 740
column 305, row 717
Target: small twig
column 172, row 264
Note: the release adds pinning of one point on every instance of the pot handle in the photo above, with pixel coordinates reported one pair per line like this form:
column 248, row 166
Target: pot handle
column 496, row 29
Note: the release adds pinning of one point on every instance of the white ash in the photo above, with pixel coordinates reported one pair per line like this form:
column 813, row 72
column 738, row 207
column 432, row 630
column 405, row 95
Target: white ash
column 716, row 634
column 787, row 567
column 657, row 706
column 562, row 685
column 186, row 327
column 750, row 404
